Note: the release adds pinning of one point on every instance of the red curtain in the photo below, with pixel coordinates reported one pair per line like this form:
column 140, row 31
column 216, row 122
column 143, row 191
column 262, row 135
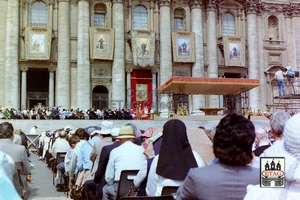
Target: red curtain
column 141, row 88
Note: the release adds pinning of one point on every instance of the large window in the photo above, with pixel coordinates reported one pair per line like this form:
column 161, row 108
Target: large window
column 38, row 14
column 99, row 15
column 140, row 18
column 228, row 24
column 179, row 16
column 178, row 24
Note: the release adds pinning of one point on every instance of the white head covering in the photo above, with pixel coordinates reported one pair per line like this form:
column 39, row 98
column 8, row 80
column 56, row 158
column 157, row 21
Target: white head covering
column 115, row 132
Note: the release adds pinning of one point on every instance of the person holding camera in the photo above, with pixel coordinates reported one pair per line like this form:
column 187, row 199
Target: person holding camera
column 279, row 75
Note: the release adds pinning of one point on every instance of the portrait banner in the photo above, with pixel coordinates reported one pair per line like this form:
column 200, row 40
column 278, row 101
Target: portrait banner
column 141, row 92
column 101, row 43
column 38, row 43
column 234, row 51
column 183, row 47
column 143, row 47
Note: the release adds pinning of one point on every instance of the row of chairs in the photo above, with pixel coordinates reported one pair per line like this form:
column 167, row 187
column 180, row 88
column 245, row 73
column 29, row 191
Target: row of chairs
column 126, row 181
column 60, row 157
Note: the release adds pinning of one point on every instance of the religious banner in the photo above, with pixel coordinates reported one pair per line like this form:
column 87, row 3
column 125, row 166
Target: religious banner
column 38, row 43
column 141, row 92
column 234, row 51
column 143, row 47
column 183, row 46
column 101, row 43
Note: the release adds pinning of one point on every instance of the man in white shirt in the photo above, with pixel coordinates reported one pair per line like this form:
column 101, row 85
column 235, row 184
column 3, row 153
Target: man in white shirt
column 128, row 156
column 279, row 75
column 60, row 144
column 33, row 130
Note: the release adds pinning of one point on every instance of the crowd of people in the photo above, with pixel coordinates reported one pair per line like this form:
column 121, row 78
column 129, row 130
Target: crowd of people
column 95, row 158
column 59, row 113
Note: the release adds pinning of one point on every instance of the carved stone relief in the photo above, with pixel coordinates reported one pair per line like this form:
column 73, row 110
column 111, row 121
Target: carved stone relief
column 102, row 71
column 275, row 58
column 106, row 83
column 182, row 71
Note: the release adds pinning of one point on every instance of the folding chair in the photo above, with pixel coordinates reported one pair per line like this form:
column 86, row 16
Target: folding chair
column 126, row 181
column 164, row 197
column 169, row 190
column 60, row 157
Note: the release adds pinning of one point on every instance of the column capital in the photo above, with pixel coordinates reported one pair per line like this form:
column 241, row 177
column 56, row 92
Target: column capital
column 195, row 4
column 129, row 70
column 154, row 71
column 25, row 2
column 24, row 69
column 252, row 7
column 152, row 5
column 291, row 9
column 163, row 3
column 67, row 1
column 118, row 1
column 211, row 5
column 51, row 68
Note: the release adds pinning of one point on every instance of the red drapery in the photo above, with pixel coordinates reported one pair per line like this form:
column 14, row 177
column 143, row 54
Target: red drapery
column 141, row 89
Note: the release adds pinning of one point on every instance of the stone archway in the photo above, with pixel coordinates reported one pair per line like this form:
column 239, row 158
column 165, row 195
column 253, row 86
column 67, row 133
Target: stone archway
column 100, row 97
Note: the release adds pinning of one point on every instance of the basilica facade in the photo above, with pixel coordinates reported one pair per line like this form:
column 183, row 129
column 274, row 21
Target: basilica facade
column 116, row 53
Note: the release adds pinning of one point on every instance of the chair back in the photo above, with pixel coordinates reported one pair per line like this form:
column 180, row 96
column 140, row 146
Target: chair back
column 60, row 157
column 164, row 197
column 169, row 190
column 126, row 181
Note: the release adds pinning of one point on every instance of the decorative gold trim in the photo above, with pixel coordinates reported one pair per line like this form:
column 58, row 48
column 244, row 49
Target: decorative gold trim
column 143, row 47
column 234, row 51
column 183, row 46
column 38, row 43
column 101, row 43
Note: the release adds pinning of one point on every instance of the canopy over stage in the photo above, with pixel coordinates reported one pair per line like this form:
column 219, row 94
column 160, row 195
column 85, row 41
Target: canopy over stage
column 208, row 86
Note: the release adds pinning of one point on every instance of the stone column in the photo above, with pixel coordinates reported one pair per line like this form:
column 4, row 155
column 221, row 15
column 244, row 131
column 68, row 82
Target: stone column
column 23, row 88
column 154, row 89
column 129, row 89
column 254, row 94
column 83, row 59
column 243, row 24
column 118, row 68
column 51, row 88
column 261, row 62
column 198, row 66
column 11, row 57
column 289, row 41
column 63, row 56
column 212, row 55
column 129, row 20
column 296, row 45
column 165, row 52
column 152, row 6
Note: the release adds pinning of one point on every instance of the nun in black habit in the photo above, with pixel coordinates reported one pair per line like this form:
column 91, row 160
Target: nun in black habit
column 175, row 158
